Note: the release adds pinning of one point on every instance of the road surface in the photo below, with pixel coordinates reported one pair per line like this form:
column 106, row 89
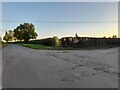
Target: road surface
column 28, row 68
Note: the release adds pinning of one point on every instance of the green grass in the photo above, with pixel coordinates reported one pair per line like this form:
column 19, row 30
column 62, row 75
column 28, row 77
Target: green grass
column 42, row 47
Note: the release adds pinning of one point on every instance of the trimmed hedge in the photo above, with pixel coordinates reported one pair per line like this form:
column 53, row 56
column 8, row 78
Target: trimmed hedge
column 82, row 42
column 46, row 42
column 90, row 42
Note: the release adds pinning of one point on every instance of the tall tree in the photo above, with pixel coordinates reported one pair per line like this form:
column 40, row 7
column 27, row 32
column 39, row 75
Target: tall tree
column 76, row 35
column 25, row 32
column 6, row 37
column 114, row 36
column 56, row 40
column 11, row 35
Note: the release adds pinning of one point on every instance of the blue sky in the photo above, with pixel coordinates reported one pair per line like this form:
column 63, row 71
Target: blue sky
column 63, row 18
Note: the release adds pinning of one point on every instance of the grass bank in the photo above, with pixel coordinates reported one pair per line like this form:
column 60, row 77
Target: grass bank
column 43, row 47
column 4, row 45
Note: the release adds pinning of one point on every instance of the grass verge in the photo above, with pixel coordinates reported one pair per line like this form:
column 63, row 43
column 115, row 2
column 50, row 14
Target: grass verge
column 2, row 45
column 42, row 47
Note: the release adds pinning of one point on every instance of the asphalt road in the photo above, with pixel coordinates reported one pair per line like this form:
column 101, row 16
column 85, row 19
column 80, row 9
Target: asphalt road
column 28, row 68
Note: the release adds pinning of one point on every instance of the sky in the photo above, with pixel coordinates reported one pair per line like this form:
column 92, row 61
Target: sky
column 94, row 19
